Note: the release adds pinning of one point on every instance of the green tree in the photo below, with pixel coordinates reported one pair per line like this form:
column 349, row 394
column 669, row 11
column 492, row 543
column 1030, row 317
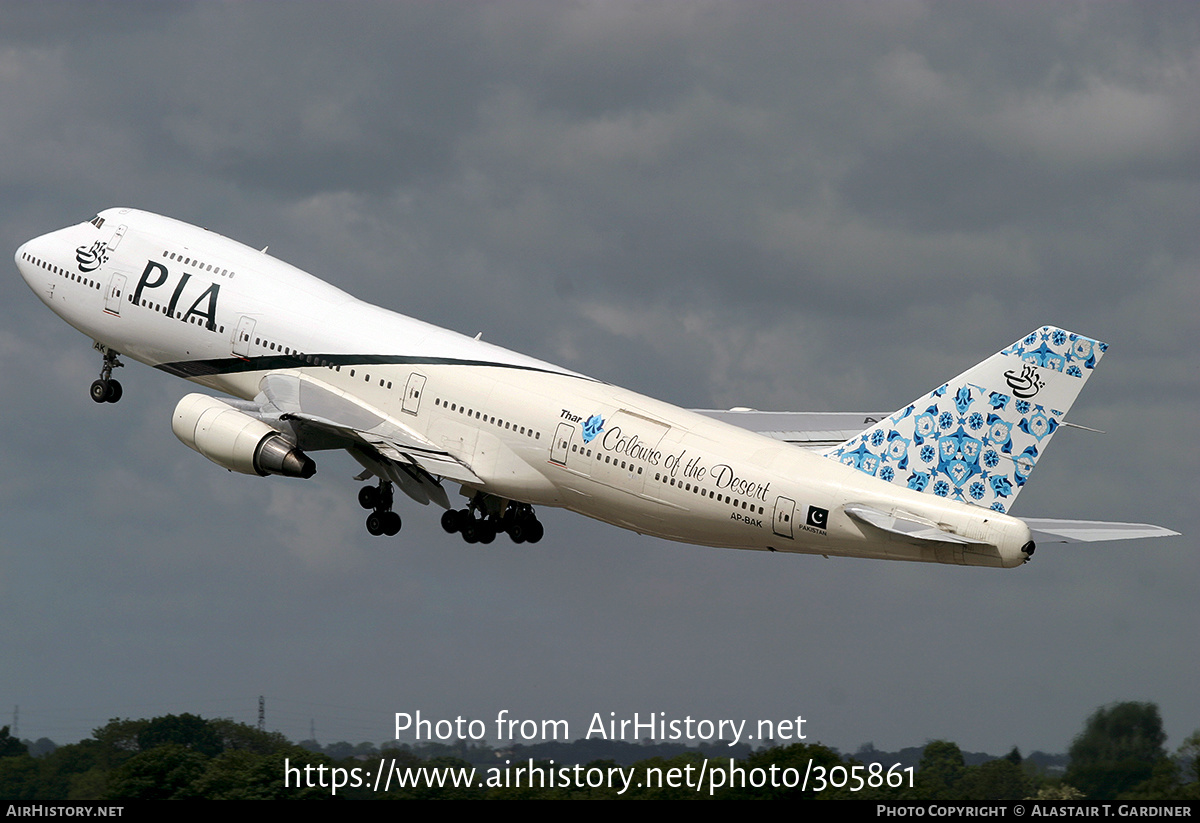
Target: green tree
column 1189, row 757
column 11, row 746
column 62, row 770
column 1052, row 792
column 1162, row 784
column 941, row 769
column 241, row 737
column 187, row 730
column 165, row 772
column 119, row 739
column 1118, row 749
column 995, row 781
column 20, row 778
column 245, row 775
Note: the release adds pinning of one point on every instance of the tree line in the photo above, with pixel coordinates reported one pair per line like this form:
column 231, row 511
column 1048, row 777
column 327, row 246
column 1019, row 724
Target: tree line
column 1120, row 754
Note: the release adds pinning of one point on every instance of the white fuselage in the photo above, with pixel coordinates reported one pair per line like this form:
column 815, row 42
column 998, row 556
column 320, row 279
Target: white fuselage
column 223, row 315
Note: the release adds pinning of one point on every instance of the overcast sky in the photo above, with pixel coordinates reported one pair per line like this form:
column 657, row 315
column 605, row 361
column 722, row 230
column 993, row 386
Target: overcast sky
column 780, row 205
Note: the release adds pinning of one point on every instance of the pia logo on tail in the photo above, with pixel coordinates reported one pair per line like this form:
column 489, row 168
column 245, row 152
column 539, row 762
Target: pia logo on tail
column 1025, row 384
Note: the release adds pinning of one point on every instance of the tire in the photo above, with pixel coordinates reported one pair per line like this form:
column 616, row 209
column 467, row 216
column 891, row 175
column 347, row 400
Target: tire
column 464, row 519
column 391, row 524
column 99, row 391
column 368, row 497
column 375, row 523
column 534, row 531
column 450, row 521
column 113, row 393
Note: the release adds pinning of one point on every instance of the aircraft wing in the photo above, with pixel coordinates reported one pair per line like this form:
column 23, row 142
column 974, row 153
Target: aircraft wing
column 810, row 430
column 323, row 417
column 1048, row 530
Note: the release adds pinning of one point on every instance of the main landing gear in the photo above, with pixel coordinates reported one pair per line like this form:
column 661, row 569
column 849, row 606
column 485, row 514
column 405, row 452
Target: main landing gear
column 107, row 390
column 382, row 520
column 477, row 525
column 484, row 517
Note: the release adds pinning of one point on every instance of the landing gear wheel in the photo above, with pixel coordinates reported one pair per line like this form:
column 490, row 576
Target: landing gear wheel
column 465, row 518
column 107, row 390
column 450, row 521
column 522, row 524
column 486, row 531
column 382, row 520
column 368, row 497
column 534, row 531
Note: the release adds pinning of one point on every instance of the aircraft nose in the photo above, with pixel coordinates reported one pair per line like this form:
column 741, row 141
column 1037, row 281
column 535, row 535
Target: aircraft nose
column 22, row 259
column 29, row 265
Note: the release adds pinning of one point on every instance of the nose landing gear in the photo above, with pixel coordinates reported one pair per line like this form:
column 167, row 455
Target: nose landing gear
column 382, row 520
column 107, row 390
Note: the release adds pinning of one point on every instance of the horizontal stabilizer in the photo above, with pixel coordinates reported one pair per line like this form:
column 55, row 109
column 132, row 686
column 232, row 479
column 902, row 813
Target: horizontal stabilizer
column 905, row 524
column 1046, row 530
column 810, row 430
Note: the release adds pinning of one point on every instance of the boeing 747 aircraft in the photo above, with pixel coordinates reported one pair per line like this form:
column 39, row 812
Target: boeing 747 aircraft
column 428, row 411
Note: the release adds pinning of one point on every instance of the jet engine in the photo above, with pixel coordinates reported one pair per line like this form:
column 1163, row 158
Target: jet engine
column 235, row 440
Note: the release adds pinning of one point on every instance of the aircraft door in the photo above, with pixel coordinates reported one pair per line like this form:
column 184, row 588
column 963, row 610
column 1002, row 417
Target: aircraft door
column 412, row 392
column 561, row 443
column 785, row 511
column 112, row 298
column 242, row 335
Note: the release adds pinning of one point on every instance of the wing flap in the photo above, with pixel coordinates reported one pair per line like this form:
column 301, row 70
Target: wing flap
column 314, row 404
column 414, row 481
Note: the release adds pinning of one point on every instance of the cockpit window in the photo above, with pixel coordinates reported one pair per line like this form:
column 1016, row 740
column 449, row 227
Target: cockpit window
column 97, row 221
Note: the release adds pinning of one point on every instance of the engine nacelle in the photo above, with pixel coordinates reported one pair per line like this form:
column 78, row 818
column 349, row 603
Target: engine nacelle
column 235, row 440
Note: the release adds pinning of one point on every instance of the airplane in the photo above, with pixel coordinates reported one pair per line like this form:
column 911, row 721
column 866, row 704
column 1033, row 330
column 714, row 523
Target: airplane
column 306, row 367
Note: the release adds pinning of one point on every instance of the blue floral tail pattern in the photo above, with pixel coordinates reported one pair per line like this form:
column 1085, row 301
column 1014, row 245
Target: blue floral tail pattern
column 978, row 437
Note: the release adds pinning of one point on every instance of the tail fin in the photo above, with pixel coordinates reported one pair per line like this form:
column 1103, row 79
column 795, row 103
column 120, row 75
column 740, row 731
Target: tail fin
column 978, row 437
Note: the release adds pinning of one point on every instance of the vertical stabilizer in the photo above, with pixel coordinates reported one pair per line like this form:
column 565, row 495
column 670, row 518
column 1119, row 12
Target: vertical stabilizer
column 978, row 437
